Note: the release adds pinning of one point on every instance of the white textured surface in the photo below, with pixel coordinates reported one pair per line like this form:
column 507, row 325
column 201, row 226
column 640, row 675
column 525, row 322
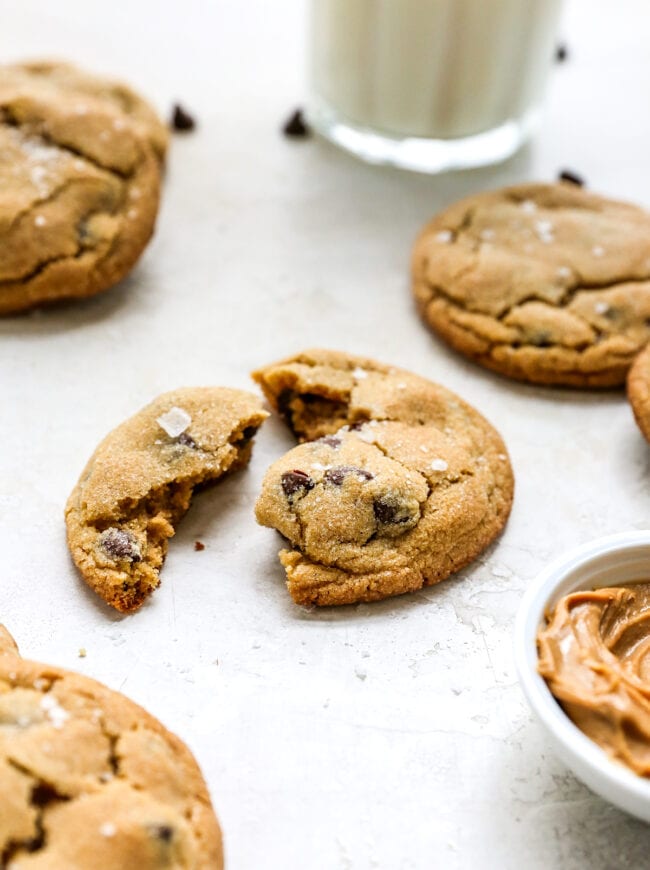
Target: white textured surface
column 387, row 736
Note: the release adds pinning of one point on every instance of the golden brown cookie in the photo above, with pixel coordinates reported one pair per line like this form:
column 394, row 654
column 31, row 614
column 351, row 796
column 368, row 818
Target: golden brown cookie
column 638, row 390
column 89, row 779
column 546, row 283
column 139, row 482
column 79, row 183
column 399, row 482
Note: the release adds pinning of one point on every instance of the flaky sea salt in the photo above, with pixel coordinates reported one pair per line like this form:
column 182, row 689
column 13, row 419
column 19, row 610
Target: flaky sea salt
column 107, row 829
column 444, row 237
column 439, row 465
column 598, row 251
column 174, row 422
column 528, row 206
column 563, row 272
column 601, row 307
column 39, row 220
column 487, row 235
column 54, row 711
column 359, row 373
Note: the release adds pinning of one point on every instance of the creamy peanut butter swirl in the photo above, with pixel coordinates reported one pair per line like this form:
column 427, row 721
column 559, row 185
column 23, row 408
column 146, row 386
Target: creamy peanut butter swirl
column 594, row 653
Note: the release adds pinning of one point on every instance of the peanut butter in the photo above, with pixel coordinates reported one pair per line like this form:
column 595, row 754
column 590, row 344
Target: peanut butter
column 594, row 653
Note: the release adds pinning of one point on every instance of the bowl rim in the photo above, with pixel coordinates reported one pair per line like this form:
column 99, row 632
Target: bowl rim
column 541, row 592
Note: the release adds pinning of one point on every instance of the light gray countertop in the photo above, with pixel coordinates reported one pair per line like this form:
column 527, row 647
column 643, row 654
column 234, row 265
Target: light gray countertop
column 391, row 735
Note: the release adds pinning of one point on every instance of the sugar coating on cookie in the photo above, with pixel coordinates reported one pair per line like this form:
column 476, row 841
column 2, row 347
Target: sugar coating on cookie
column 638, row 391
column 80, row 166
column 397, row 484
column 542, row 283
column 89, row 779
column 139, row 483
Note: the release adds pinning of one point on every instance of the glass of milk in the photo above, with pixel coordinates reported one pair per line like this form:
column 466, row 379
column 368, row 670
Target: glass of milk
column 429, row 85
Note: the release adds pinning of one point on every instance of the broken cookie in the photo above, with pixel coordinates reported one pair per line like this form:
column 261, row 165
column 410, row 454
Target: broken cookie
column 139, row 483
column 80, row 165
column 89, row 779
column 398, row 483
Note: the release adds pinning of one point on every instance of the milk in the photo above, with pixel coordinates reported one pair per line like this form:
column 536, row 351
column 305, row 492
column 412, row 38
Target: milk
column 438, row 69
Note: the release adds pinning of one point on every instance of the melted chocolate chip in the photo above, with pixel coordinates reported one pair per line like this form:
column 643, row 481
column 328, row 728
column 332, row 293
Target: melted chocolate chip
column 164, row 833
column 187, row 440
column 330, row 440
column 571, row 177
column 120, row 545
column 296, row 481
column 387, row 511
column 338, row 474
column 246, row 436
column 181, row 119
column 295, row 127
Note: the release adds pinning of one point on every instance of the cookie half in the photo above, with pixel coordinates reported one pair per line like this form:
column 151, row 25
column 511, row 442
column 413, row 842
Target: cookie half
column 139, row 483
column 638, row 391
column 79, row 183
column 398, row 483
column 89, row 779
column 542, row 283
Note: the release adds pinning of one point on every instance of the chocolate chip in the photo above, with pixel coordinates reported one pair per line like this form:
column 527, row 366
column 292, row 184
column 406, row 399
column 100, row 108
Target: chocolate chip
column 296, row 481
column 338, row 474
column 571, row 177
column 246, row 436
column 164, row 833
column 295, row 127
column 355, row 427
column 120, row 545
column 561, row 52
column 198, row 546
column 330, row 440
column 388, row 511
column 182, row 120
column 187, row 440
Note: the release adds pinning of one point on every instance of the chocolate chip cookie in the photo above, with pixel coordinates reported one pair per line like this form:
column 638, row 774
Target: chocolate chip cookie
column 89, row 779
column 398, row 483
column 80, row 165
column 638, row 390
column 139, row 483
column 542, row 283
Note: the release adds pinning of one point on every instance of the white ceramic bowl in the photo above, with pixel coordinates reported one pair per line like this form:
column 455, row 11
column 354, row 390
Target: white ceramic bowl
column 605, row 562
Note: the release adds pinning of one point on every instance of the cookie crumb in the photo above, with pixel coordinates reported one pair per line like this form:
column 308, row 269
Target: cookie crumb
column 108, row 829
column 82, row 652
column 295, row 126
column 561, row 52
column 571, row 177
column 198, row 546
column 181, row 119
column 174, row 422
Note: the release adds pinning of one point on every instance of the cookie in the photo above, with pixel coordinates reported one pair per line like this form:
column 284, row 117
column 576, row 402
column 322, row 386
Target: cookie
column 398, row 483
column 638, row 390
column 139, row 482
column 89, row 779
column 543, row 283
column 80, row 165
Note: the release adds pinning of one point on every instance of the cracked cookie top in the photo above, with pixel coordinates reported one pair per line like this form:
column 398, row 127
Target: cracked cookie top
column 638, row 390
column 79, row 183
column 89, row 779
column 139, row 483
column 397, row 483
column 542, row 283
